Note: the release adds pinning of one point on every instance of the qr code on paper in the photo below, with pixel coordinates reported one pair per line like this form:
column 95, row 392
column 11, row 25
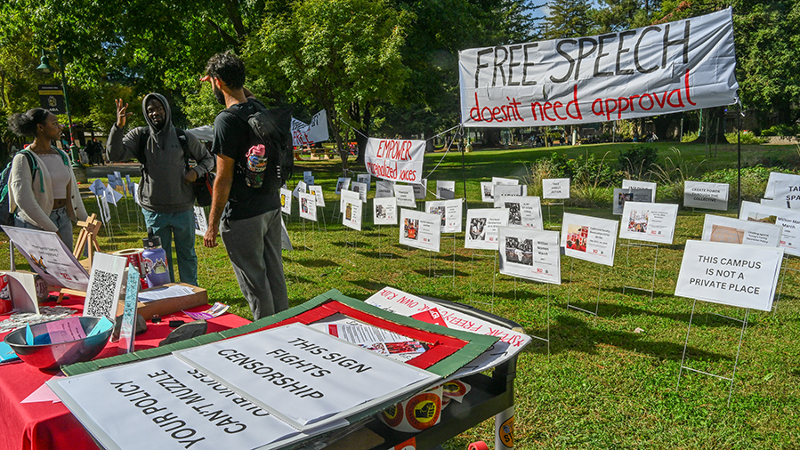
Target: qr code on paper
column 100, row 298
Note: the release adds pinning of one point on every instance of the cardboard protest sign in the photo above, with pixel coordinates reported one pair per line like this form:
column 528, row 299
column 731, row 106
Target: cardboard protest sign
column 649, row 222
column 508, row 190
column 334, row 380
column 788, row 219
column 312, row 132
column 555, row 188
column 361, row 190
column 308, row 206
column 49, row 257
column 629, row 195
column 202, row 412
column 678, row 66
column 286, row 201
column 445, row 190
column 589, row 238
column 729, row 274
column 697, row 194
column 633, row 184
column 531, row 254
column 351, row 208
column 342, row 183
column 482, row 227
column 405, row 196
column 451, row 212
column 420, row 229
column 525, row 212
column 384, row 211
column 317, row 191
column 394, row 159
column 384, row 188
column 737, row 231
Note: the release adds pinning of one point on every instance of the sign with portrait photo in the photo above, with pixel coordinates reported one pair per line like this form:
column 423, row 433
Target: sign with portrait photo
column 530, row 254
column 342, row 183
column 317, row 191
column 361, row 189
column 308, row 206
column 634, row 184
column 482, row 225
column 525, row 212
column 351, row 209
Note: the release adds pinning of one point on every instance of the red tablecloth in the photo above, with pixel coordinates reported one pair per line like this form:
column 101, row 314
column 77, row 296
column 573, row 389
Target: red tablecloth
column 47, row 426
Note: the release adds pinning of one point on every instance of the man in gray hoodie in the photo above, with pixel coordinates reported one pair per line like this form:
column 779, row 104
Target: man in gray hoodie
column 165, row 192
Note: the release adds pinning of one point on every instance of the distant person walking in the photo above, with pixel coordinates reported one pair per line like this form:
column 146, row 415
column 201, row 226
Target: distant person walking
column 165, row 193
column 45, row 196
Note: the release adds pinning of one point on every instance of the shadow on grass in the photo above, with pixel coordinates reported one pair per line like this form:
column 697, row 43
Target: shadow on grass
column 377, row 254
column 447, row 273
column 700, row 319
column 369, row 284
column 292, row 278
column 354, row 243
column 574, row 334
column 316, row 263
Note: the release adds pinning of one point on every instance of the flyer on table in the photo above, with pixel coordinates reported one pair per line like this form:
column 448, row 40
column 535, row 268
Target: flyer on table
column 420, row 229
column 729, row 274
column 697, row 194
column 304, row 376
column 405, row 304
column 203, row 412
column 589, row 238
column 482, row 227
column 649, row 222
column 384, row 210
column 49, row 257
column 788, row 219
column 737, row 231
column 450, row 211
column 531, row 254
column 525, row 212
column 555, row 188
column 629, row 195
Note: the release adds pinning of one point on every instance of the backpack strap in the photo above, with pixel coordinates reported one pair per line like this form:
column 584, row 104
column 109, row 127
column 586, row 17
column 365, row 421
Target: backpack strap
column 34, row 167
column 184, row 144
column 143, row 150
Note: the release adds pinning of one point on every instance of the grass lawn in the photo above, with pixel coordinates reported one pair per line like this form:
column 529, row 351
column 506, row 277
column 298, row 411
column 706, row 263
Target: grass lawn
column 608, row 382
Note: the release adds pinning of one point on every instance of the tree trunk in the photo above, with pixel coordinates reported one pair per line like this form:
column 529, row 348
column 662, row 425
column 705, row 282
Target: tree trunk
column 712, row 126
column 491, row 137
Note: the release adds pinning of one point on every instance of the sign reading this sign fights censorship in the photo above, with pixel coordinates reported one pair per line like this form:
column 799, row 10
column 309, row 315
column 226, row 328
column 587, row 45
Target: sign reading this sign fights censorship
column 394, row 159
column 660, row 69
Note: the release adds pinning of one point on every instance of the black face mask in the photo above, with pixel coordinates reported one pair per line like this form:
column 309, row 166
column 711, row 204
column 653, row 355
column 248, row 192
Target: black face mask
column 219, row 95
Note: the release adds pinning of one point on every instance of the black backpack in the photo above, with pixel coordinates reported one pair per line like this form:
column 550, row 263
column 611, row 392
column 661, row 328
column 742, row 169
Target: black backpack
column 203, row 186
column 272, row 128
column 6, row 217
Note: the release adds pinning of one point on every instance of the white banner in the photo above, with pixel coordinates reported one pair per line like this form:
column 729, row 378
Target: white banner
column 660, row 69
column 309, row 134
column 530, row 254
column 384, row 211
column 697, row 194
column 649, row 222
column 788, row 219
column 729, row 274
column 589, row 238
column 396, row 160
column 555, row 188
column 451, row 212
column 737, row 231
column 482, row 227
column 420, row 229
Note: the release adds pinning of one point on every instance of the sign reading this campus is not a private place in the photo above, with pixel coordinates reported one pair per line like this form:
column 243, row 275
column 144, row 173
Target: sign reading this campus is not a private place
column 659, row 69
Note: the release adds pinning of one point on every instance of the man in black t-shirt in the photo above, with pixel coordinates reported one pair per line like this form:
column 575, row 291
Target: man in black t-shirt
column 248, row 219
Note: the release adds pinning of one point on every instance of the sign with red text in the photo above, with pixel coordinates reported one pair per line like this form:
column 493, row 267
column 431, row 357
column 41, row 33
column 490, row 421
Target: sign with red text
column 395, row 159
column 660, row 69
column 589, row 238
column 312, row 132
column 420, row 229
column 405, row 304
column 729, row 274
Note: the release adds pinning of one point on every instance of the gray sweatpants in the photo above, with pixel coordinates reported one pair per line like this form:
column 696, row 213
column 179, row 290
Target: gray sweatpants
column 254, row 248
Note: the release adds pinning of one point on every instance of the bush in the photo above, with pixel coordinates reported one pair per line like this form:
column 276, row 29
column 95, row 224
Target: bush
column 781, row 130
column 748, row 137
column 636, row 161
column 754, row 181
column 689, row 137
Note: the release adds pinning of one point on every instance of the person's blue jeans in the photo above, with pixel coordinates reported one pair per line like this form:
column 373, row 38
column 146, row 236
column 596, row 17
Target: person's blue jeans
column 181, row 226
column 60, row 219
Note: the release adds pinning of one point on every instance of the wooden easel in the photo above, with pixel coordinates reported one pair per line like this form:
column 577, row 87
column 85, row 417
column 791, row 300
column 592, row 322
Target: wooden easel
column 88, row 235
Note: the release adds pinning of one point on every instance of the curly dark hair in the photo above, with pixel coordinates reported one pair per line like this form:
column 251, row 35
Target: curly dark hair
column 24, row 124
column 227, row 67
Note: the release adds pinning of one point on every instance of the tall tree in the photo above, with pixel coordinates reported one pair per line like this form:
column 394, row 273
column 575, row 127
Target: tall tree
column 567, row 18
column 338, row 53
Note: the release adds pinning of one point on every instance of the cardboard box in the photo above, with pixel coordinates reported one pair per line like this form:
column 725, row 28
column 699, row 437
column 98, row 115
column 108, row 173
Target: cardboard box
column 168, row 306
